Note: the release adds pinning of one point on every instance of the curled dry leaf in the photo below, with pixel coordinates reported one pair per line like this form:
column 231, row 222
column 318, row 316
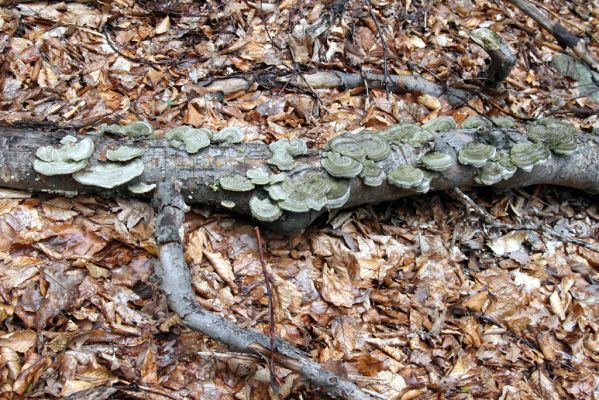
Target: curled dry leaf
column 223, row 268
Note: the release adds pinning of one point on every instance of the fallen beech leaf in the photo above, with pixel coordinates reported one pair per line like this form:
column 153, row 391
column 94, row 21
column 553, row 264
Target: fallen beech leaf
column 337, row 290
column 19, row 341
column 507, row 243
column 223, row 268
column 163, row 26
column 30, row 375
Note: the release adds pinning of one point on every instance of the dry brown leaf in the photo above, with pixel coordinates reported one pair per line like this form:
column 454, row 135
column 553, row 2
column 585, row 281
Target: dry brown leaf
column 20, row 341
column 336, row 289
column 223, row 268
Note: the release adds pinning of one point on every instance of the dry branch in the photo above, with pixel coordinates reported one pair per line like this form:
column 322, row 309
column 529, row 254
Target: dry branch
column 199, row 173
column 338, row 80
column 171, row 209
column 564, row 37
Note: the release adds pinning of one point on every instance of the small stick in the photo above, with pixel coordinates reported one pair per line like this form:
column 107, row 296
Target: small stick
column 386, row 83
column 271, row 314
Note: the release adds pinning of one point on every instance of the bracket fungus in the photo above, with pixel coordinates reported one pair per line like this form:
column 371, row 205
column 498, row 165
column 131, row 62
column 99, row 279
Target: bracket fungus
column 263, row 209
column 525, row 155
column 477, row 121
column 124, row 153
column 409, row 177
column 371, row 174
column 228, row 135
column 227, row 204
column 284, row 150
column 236, row 183
column 361, row 145
column 141, row 187
column 258, row 175
column 110, row 175
column 443, row 123
column 476, row 154
column 341, row 166
column 339, row 192
column 494, row 172
column 296, row 147
column 51, row 168
column 69, row 158
column 504, row 121
column 71, row 150
column 134, row 130
column 193, row 139
column 309, row 193
column 559, row 136
column 406, row 133
column 437, row 161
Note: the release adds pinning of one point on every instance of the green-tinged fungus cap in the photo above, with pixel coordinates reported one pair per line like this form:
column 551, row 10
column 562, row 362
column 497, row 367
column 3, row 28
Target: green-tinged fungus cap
column 138, row 129
column 476, row 154
column 558, row 135
column 341, row 166
column 490, row 174
column 477, row 121
column 440, row 124
column 71, row 150
column 229, row 135
column 110, row 175
column 525, row 155
column 258, row 175
column 194, row 139
column 52, row 168
column 407, row 133
column 282, row 160
column 309, row 193
column 504, row 121
column 227, row 204
column 141, row 187
column 296, row 147
column 371, row 174
column 124, row 153
column 437, row 161
column 406, row 177
column 339, row 193
column 236, row 183
column 361, row 145
column 264, row 209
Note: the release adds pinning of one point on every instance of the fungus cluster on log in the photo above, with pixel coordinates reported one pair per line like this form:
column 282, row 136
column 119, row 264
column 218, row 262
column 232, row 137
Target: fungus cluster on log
column 281, row 185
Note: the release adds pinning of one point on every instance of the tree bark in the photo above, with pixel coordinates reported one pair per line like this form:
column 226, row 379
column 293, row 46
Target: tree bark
column 199, row 172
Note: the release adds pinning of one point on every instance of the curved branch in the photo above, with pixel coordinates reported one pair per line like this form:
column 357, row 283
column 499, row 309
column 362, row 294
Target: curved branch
column 171, row 208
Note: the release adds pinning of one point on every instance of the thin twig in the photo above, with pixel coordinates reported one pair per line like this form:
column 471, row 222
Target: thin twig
column 386, row 84
column 271, row 314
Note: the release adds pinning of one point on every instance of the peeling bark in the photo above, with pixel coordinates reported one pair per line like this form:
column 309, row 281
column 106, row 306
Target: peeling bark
column 199, row 172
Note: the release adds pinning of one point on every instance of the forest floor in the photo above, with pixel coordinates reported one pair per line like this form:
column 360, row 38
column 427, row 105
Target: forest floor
column 418, row 299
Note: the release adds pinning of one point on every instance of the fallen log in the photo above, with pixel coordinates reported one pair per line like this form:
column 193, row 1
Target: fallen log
column 200, row 174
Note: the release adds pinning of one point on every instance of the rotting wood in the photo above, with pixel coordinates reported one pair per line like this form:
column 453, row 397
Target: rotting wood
column 198, row 173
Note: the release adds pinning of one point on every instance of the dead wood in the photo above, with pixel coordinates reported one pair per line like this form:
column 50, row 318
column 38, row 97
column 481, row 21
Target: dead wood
column 171, row 208
column 199, row 173
column 564, row 37
column 337, row 80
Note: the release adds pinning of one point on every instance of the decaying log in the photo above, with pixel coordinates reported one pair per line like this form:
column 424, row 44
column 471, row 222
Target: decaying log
column 198, row 173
